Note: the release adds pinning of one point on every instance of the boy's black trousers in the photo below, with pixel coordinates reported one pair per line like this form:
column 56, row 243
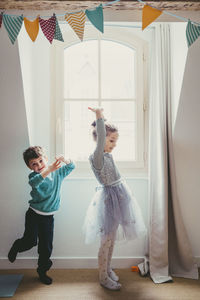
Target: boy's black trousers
column 38, row 230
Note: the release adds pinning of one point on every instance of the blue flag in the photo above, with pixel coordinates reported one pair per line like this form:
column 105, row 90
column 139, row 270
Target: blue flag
column 192, row 33
column 13, row 26
column 96, row 17
column 58, row 35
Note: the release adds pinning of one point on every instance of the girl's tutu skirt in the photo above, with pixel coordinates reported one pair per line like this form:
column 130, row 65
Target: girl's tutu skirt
column 113, row 206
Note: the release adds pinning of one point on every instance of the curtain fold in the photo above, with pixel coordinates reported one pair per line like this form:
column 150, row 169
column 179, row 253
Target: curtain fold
column 169, row 252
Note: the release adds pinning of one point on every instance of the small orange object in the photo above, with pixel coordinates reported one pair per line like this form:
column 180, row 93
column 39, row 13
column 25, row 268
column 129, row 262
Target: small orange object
column 135, row 269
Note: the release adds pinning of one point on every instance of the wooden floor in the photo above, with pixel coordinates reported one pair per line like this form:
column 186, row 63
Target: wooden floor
column 83, row 285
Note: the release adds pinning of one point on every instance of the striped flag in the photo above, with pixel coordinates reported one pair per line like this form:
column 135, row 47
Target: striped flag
column 13, row 26
column 77, row 22
column 1, row 17
column 96, row 17
column 58, row 35
column 192, row 33
column 32, row 28
column 48, row 27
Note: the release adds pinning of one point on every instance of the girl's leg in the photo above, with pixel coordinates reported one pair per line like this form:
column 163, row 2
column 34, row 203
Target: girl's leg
column 111, row 273
column 105, row 280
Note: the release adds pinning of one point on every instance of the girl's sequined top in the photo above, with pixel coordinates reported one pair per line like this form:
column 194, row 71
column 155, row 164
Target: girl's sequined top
column 102, row 163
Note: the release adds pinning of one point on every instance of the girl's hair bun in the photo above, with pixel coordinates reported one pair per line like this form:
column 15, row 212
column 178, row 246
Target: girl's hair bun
column 94, row 124
column 109, row 129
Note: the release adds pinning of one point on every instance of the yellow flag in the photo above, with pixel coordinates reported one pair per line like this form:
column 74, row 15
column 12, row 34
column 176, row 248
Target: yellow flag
column 32, row 28
column 77, row 22
column 149, row 14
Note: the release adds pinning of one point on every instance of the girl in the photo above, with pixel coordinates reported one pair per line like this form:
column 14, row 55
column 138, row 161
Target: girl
column 112, row 205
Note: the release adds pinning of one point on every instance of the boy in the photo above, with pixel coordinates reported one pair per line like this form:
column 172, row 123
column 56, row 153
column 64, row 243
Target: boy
column 45, row 181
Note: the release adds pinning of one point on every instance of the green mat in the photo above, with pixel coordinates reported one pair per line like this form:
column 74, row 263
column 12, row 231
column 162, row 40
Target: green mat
column 9, row 284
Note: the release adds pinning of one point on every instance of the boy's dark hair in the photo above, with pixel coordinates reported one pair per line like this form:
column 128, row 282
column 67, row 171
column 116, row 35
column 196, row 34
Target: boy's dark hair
column 109, row 129
column 33, row 152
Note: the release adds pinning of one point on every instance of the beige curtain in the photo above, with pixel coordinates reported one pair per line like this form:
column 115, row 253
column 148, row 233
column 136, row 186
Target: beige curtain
column 169, row 252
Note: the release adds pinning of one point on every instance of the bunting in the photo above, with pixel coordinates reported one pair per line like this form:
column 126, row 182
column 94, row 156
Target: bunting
column 58, row 35
column 77, row 22
column 51, row 28
column 48, row 27
column 13, row 26
column 149, row 14
column 192, row 33
column 32, row 28
column 96, row 17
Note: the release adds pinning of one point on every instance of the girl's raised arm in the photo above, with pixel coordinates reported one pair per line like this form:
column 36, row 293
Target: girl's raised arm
column 101, row 136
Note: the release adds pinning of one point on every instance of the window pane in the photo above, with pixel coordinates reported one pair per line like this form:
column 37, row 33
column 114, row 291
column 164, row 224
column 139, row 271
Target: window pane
column 117, row 71
column 123, row 115
column 81, row 70
column 78, row 134
column 78, row 131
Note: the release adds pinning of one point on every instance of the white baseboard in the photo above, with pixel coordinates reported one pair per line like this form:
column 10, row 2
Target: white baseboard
column 69, row 262
column 74, row 262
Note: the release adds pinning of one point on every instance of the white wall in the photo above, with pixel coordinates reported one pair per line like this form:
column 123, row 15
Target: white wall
column 69, row 248
column 14, row 139
column 187, row 146
column 179, row 54
column 186, row 111
column 35, row 63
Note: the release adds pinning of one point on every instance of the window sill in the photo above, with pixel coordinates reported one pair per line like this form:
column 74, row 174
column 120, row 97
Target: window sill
column 87, row 174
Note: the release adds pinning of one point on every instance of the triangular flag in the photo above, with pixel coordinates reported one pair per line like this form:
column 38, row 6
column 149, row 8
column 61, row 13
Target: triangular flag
column 149, row 14
column 1, row 17
column 77, row 22
column 48, row 27
column 58, row 35
column 32, row 28
column 192, row 33
column 13, row 26
column 96, row 17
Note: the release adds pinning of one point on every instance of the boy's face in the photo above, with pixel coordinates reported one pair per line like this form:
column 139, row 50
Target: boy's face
column 38, row 164
column 111, row 141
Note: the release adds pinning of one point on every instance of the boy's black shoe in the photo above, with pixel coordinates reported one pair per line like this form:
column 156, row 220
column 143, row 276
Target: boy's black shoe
column 13, row 252
column 44, row 278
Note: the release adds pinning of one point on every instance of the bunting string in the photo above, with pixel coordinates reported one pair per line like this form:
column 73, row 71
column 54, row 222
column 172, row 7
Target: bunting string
column 51, row 30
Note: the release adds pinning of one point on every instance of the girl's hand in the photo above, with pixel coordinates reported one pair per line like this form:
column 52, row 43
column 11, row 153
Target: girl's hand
column 98, row 111
column 95, row 109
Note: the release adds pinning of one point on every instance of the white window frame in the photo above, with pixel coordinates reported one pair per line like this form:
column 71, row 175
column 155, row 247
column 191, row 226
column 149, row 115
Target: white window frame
column 125, row 37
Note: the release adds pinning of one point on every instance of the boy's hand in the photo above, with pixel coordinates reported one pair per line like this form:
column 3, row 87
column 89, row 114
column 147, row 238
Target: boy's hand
column 54, row 166
column 61, row 158
column 51, row 168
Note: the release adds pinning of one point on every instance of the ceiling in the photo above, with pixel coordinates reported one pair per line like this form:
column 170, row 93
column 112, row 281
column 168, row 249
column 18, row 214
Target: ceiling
column 122, row 10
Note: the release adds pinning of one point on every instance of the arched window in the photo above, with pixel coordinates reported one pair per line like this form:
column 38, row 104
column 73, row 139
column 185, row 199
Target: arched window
column 107, row 70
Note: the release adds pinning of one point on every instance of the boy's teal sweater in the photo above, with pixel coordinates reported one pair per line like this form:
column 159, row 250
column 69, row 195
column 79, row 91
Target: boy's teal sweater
column 46, row 191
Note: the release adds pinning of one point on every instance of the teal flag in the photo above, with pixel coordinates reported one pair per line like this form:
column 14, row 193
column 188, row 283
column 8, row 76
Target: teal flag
column 96, row 17
column 58, row 35
column 13, row 26
column 192, row 33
